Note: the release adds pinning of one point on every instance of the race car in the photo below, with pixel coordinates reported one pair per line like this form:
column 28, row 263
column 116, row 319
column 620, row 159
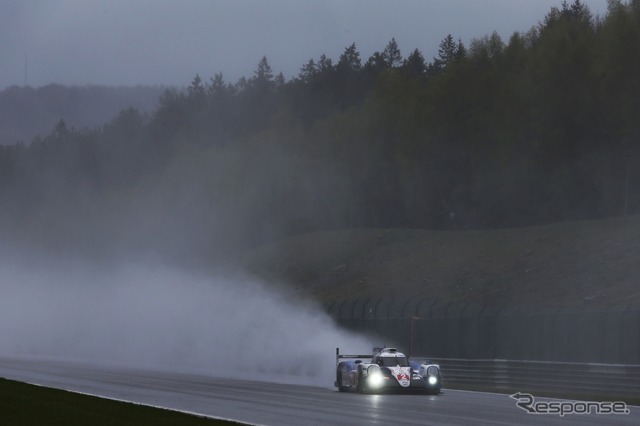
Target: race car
column 385, row 369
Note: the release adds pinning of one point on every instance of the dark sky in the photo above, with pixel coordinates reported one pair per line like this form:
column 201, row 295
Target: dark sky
column 166, row 42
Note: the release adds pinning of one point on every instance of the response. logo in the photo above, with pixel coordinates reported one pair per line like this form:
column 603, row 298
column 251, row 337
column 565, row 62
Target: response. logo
column 528, row 403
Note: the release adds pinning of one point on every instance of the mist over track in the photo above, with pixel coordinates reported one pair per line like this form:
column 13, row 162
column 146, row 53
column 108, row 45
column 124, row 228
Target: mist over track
column 158, row 317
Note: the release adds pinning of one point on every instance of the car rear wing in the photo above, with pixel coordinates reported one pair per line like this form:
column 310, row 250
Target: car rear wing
column 340, row 356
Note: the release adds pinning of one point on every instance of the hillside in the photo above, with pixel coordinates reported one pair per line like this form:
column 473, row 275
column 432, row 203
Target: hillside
column 573, row 264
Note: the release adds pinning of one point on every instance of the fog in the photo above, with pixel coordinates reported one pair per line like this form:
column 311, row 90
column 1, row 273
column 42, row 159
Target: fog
column 203, row 203
column 152, row 316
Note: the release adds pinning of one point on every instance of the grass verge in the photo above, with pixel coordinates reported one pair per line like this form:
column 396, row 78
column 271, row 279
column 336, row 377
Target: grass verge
column 24, row 404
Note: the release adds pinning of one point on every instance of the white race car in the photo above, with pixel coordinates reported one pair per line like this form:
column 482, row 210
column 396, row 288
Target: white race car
column 386, row 369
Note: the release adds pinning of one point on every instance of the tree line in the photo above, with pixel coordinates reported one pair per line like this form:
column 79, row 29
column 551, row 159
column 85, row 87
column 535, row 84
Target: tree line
column 543, row 127
column 27, row 111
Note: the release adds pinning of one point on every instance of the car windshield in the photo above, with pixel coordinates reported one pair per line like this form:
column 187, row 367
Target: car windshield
column 393, row 361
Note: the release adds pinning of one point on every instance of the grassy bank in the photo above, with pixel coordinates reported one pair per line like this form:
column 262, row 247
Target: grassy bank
column 24, row 404
column 570, row 264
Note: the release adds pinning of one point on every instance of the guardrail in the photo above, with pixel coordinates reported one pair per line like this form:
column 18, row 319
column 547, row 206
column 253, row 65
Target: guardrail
column 543, row 378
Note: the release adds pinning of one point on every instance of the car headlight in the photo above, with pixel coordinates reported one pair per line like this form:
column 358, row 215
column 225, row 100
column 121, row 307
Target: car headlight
column 374, row 376
column 432, row 380
column 375, row 380
column 432, row 371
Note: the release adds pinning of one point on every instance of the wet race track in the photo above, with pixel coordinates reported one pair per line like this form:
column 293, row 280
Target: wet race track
column 276, row 404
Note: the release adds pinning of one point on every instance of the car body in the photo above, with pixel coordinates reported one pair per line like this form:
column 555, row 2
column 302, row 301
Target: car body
column 386, row 369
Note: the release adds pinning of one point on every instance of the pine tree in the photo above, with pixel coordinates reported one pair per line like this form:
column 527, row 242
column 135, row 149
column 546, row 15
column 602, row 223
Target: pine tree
column 308, row 71
column 350, row 59
column 392, row 55
column 415, row 64
column 263, row 76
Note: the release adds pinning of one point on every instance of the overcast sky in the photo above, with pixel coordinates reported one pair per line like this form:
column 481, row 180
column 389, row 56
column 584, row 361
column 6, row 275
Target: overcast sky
column 166, row 42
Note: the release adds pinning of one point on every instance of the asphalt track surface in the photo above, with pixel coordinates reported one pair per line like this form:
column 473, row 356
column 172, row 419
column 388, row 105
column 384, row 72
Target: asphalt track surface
column 279, row 404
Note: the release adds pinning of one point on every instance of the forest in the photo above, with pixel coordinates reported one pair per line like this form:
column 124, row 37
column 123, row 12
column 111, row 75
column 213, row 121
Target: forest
column 543, row 127
column 26, row 111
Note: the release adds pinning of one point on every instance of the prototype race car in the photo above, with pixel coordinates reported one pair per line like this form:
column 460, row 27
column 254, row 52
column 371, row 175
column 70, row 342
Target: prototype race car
column 384, row 370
